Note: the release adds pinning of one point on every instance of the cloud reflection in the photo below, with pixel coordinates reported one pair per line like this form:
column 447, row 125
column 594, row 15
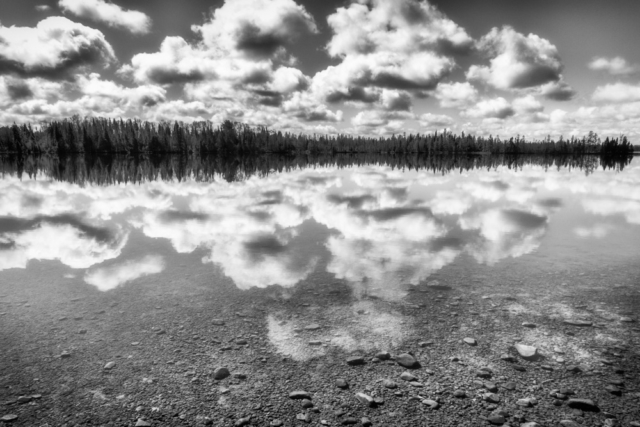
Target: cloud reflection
column 108, row 278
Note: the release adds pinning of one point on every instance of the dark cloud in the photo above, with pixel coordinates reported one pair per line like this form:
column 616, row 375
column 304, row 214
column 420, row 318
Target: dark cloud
column 19, row 90
column 559, row 91
column 395, row 213
column 15, row 225
column 173, row 216
column 165, row 76
column 262, row 246
column 353, row 202
column 352, row 94
column 526, row 221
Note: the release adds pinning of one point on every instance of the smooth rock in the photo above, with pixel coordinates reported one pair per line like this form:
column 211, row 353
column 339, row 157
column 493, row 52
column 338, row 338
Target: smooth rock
column 470, row 341
column 613, row 390
column 583, row 404
column 526, row 351
column 490, row 387
column 525, row 403
column 408, row 361
column 9, row 417
column 483, row 374
column 496, row 419
column 143, row 423
column 491, row 398
column 221, row 373
column 530, row 424
column 306, row 404
column 459, row 394
column 383, row 355
column 389, row 384
column 110, row 365
column 507, row 358
column 312, row 327
column 300, row 394
column 349, row 421
column 276, row 423
column 355, row 360
column 366, row 422
column 529, row 325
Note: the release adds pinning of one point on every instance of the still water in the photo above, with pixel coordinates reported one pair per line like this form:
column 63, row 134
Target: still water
column 379, row 227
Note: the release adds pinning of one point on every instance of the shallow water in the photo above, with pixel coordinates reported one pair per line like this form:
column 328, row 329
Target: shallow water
column 380, row 229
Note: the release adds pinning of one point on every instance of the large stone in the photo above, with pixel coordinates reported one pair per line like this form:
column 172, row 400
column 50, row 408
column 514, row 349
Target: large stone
column 221, row 373
column 583, row 405
column 408, row 361
column 365, row 399
column 355, row 360
column 526, row 351
column 407, row 376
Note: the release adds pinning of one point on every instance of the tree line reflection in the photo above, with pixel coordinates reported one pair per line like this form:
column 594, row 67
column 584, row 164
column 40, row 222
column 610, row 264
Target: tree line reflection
column 105, row 170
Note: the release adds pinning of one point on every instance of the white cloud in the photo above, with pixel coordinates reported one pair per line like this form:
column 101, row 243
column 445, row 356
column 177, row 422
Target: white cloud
column 256, row 28
column 435, row 120
column 456, row 94
column 617, row 92
column 53, row 49
column 108, row 278
column 598, row 231
column 527, row 104
column 43, row 8
column 108, row 13
column 616, row 66
column 498, row 108
column 517, row 61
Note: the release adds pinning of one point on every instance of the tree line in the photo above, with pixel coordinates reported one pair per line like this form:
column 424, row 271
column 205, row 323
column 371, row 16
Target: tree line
column 95, row 135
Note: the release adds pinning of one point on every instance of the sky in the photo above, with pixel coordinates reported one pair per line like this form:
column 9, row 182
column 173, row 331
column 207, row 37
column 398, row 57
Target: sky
column 362, row 67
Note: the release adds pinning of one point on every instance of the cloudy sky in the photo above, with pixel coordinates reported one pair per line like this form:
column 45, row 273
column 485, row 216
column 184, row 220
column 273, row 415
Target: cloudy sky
column 362, row 67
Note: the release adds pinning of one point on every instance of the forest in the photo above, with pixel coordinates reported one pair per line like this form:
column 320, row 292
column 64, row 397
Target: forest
column 117, row 136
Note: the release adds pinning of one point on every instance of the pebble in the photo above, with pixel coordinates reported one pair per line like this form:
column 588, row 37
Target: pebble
column 355, row 360
column 313, row 327
column 300, row 394
column 525, row 403
column 507, row 358
column 490, row 387
column 613, row 390
column 526, row 351
column 65, row 355
column 408, row 361
column 365, row 399
column 583, row 404
column 483, row 374
column 220, row 373
column 142, row 423
column 110, row 365
column 470, row 341
column 342, row 383
column 24, row 399
column 349, row 421
column 529, row 325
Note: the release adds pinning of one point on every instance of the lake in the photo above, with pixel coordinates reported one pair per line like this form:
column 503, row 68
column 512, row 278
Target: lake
column 172, row 267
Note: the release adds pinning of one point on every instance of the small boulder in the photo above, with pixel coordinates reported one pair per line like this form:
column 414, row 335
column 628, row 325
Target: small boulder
column 583, row 405
column 221, row 373
column 408, row 361
column 365, row 399
column 470, row 341
column 526, row 351
column 300, row 394
column 355, row 361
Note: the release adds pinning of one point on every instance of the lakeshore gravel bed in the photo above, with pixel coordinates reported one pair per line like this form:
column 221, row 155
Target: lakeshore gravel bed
column 279, row 357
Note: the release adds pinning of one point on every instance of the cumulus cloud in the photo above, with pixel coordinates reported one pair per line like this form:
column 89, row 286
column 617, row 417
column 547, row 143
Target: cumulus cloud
column 498, row 108
column 257, row 28
column 527, row 104
column 54, row 48
column 143, row 95
column 384, row 44
column 108, row 278
column 108, row 13
column 616, row 66
column 617, row 92
column 456, row 94
column 557, row 91
column 517, row 61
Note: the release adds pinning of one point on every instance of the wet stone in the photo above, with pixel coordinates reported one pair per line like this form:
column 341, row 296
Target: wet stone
column 583, row 404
